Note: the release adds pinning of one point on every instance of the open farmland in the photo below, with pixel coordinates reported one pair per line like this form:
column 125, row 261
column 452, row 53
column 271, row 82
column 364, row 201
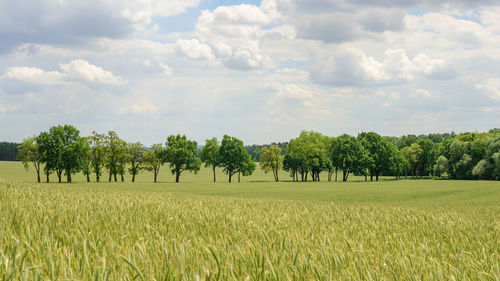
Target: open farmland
column 255, row 230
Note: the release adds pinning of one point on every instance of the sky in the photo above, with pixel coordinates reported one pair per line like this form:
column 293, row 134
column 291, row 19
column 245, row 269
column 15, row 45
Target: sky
column 259, row 70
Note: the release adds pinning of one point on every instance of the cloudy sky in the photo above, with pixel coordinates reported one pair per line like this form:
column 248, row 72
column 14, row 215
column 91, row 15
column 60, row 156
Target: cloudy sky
column 259, row 70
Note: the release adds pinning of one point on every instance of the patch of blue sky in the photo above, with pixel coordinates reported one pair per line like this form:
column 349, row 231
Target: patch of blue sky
column 186, row 21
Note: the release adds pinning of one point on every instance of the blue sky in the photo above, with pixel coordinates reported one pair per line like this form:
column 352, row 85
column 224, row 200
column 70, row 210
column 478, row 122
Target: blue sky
column 259, row 70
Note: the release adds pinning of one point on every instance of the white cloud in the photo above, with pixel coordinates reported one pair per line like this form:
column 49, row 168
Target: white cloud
column 84, row 71
column 234, row 33
column 75, row 70
column 140, row 108
column 193, row 49
column 491, row 87
column 33, row 75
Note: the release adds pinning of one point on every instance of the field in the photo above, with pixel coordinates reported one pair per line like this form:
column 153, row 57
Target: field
column 255, row 230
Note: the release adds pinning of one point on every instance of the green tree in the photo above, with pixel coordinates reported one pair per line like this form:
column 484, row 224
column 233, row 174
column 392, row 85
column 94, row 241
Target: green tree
column 181, row 154
column 210, row 154
column 28, row 152
column 412, row 155
column 348, row 155
column 247, row 166
column 427, row 158
column 271, row 160
column 115, row 155
column 86, row 160
column 98, row 153
column 441, row 166
column 312, row 148
column 292, row 163
column 153, row 159
column 136, row 158
column 233, row 156
column 457, row 150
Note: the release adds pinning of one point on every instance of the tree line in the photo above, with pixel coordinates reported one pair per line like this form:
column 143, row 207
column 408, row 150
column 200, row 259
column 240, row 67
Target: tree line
column 63, row 152
column 8, row 151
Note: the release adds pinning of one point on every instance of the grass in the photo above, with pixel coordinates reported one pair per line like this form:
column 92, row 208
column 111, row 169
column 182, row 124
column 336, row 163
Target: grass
column 256, row 230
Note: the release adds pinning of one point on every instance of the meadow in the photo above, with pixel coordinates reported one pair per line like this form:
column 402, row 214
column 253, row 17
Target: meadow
column 255, row 230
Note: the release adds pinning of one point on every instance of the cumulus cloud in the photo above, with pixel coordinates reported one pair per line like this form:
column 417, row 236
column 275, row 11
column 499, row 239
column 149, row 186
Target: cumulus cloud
column 193, row 49
column 75, row 70
column 76, row 22
column 352, row 66
column 234, row 33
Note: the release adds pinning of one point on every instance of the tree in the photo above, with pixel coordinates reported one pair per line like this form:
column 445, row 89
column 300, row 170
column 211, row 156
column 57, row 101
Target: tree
column 181, row 154
column 210, row 154
column 441, row 166
column 233, row 156
column 62, row 149
column 312, row 148
column 247, row 167
column 292, row 163
column 483, row 170
column 153, row 159
column 270, row 160
column 348, row 155
column 28, row 152
column 115, row 150
column 86, row 160
column 457, row 150
column 73, row 149
column 411, row 155
column 136, row 157
column 98, row 156
column 378, row 151
column 427, row 159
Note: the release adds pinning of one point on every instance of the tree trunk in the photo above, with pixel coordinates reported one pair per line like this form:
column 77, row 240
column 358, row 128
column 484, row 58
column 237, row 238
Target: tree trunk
column 68, row 177
column 366, row 177
column 376, row 176
column 38, row 175
column 317, row 177
column 47, row 175
column 97, row 177
column 110, row 175
column 122, row 178
column 371, row 176
column 133, row 177
column 114, row 175
column 177, row 176
column 230, row 175
column 156, row 175
column 336, row 174
column 239, row 175
column 88, row 177
column 213, row 169
column 59, row 174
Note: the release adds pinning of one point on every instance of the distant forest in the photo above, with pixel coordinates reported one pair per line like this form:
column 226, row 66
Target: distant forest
column 8, row 151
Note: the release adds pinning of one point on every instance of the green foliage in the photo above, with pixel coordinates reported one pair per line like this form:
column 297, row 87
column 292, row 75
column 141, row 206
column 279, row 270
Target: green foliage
column 181, row 154
column 29, row 153
column 153, row 159
column 441, row 166
column 311, row 148
column 234, row 158
column 210, row 154
column 135, row 153
column 97, row 143
column 349, row 156
column 8, row 151
column 116, row 155
column 271, row 160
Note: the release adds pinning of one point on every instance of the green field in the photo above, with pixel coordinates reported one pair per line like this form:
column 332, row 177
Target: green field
column 255, row 230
